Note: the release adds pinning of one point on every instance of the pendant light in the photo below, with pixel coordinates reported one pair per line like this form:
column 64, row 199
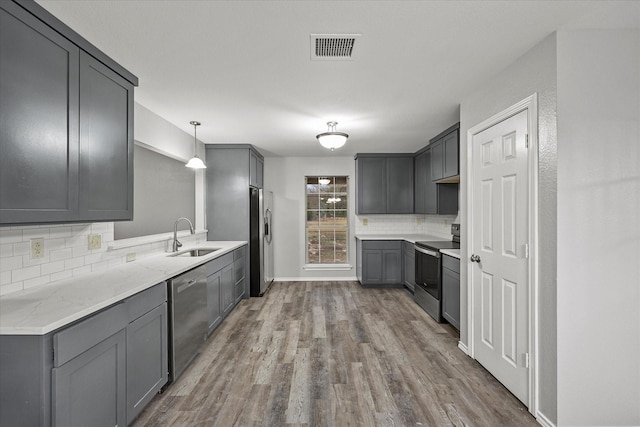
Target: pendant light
column 195, row 162
column 332, row 139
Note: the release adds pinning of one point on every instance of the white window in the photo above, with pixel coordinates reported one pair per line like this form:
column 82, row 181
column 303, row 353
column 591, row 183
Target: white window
column 327, row 225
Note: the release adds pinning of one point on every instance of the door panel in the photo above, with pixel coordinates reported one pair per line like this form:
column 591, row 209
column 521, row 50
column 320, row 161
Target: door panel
column 500, row 231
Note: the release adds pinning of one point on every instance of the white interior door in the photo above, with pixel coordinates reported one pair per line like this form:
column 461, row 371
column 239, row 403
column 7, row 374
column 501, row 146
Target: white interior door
column 499, row 273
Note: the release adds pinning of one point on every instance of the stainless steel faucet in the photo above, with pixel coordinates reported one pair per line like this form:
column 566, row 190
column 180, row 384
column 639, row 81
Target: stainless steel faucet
column 176, row 242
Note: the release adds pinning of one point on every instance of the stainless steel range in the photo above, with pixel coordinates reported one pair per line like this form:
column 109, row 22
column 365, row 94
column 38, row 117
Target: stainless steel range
column 428, row 291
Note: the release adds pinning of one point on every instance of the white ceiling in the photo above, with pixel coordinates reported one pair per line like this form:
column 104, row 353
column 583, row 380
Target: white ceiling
column 243, row 68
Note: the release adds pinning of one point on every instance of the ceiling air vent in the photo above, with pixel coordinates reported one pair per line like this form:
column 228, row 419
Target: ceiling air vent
column 333, row 47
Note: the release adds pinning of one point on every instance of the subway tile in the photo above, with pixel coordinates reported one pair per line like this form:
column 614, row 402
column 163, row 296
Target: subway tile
column 38, row 281
column 92, row 258
column 61, row 254
column 116, row 262
column 7, row 289
column 10, row 236
column 25, row 273
column 36, row 233
column 22, row 248
column 11, row 263
column 99, row 227
column 76, row 241
column 27, row 261
column 81, row 230
column 52, row 267
column 54, row 244
column 58, row 232
column 72, row 263
column 5, row 278
column 61, row 275
column 79, row 251
column 6, row 250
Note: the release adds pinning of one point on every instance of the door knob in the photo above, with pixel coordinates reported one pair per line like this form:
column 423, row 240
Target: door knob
column 475, row 258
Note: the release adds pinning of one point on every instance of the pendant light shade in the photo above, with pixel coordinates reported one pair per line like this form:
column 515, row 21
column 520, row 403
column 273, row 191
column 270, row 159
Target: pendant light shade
column 332, row 139
column 195, row 162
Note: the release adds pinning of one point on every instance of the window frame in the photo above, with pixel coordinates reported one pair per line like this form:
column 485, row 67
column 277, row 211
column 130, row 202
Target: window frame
column 309, row 264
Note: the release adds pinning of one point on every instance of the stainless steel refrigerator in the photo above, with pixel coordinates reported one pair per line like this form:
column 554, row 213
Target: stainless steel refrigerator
column 260, row 241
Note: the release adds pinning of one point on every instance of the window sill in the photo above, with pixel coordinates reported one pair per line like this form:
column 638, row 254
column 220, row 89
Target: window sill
column 327, row 267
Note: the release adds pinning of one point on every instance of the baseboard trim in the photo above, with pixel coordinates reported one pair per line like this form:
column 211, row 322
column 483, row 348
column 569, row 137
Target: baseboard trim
column 316, row 279
column 543, row 420
column 462, row 346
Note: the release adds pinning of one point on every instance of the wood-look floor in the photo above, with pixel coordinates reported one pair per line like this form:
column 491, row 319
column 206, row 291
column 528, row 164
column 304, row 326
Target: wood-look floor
column 334, row 354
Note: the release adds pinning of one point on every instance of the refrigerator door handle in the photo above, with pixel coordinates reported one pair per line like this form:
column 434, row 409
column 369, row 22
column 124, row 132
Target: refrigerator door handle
column 267, row 226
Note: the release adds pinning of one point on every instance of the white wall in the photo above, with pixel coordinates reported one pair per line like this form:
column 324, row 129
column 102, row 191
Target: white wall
column 534, row 72
column 285, row 177
column 598, row 228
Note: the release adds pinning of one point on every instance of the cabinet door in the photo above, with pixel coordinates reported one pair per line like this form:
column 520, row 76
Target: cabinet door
column 38, row 121
column 451, row 297
column 238, row 275
column 399, row 185
column 89, row 390
column 372, row 266
column 437, row 159
column 106, row 143
column 260, row 173
column 409, row 266
column 371, row 185
column 214, row 303
column 392, row 266
column 420, row 180
column 430, row 187
column 147, row 359
column 227, row 285
column 451, row 158
column 253, row 169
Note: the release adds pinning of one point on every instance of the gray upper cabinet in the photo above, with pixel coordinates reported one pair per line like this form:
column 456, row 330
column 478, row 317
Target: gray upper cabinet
column 384, row 183
column 445, row 158
column 106, row 143
column 39, row 103
column 66, row 124
column 256, row 170
column 432, row 198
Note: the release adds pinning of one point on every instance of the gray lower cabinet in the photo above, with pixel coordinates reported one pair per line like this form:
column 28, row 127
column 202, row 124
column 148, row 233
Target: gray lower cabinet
column 66, row 118
column 225, row 285
column 384, row 183
column 100, row 371
column 380, row 263
column 451, row 290
column 409, row 265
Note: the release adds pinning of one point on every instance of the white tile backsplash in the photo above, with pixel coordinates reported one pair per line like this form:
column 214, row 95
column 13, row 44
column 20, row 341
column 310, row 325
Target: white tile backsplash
column 67, row 253
column 435, row 225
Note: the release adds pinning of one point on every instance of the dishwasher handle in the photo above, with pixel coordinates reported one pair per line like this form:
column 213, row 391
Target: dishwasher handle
column 185, row 286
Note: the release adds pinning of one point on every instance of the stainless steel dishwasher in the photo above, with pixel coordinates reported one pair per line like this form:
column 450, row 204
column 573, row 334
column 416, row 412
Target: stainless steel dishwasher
column 187, row 319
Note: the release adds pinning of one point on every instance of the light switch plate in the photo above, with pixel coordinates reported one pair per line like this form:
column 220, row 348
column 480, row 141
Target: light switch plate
column 365, row 221
column 95, row 241
column 37, row 248
column 131, row 256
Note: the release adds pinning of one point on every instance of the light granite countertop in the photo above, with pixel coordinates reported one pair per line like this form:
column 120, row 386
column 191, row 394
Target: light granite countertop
column 40, row 310
column 411, row 238
column 451, row 252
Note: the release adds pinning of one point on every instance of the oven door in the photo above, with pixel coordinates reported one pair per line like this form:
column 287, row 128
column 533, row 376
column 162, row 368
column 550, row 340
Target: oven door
column 428, row 270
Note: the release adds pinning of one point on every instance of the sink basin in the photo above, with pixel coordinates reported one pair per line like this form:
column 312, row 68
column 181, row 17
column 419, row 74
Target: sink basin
column 196, row 252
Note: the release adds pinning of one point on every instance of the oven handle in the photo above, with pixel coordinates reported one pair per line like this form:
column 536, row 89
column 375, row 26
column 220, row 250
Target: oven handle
column 428, row 252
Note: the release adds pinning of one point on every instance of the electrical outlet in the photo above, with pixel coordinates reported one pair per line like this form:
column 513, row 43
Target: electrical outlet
column 418, row 220
column 365, row 221
column 37, row 248
column 446, row 223
column 131, row 256
column 95, row 241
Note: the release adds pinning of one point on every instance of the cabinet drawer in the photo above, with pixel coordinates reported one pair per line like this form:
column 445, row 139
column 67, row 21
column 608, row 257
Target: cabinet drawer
column 239, row 253
column 76, row 339
column 451, row 263
column 381, row 244
column 145, row 301
column 219, row 263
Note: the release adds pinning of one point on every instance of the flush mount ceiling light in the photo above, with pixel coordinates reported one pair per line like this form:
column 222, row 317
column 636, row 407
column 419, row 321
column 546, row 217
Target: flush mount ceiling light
column 332, row 139
column 324, row 181
column 195, row 162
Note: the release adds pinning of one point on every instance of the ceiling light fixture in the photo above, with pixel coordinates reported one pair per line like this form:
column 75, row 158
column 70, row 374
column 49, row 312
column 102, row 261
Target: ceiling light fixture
column 324, row 181
column 332, row 139
column 195, row 162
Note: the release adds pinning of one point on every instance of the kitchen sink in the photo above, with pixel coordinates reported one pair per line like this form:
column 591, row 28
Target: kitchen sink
column 195, row 252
